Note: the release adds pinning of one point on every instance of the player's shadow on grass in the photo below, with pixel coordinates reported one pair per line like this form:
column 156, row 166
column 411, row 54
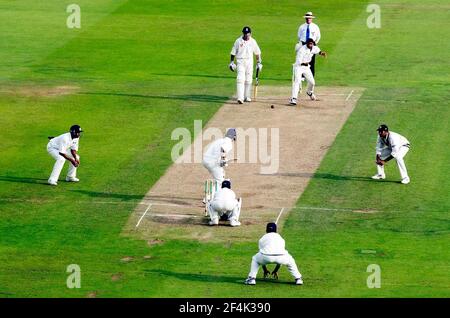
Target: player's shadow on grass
column 106, row 195
column 137, row 197
column 346, row 178
column 199, row 277
column 231, row 76
column 23, row 180
column 193, row 97
column 330, row 176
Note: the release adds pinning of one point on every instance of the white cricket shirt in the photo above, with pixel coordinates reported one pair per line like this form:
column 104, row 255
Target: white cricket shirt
column 245, row 49
column 394, row 141
column 217, row 148
column 272, row 244
column 224, row 200
column 304, row 55
column 64, row 142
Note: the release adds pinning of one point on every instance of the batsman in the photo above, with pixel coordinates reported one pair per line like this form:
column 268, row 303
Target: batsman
column 215, row 157
column 243, row 50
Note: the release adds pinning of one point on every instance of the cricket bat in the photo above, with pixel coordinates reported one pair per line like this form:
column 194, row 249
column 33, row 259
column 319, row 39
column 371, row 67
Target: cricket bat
column 255, row 88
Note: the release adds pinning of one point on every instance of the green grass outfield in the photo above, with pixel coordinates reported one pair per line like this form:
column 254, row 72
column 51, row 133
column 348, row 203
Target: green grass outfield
column 144, row 68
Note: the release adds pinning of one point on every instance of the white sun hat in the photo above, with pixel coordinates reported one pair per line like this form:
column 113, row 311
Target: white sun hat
column 309, row 15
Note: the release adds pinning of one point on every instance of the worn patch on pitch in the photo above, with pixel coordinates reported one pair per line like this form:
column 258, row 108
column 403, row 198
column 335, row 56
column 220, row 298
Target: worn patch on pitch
column 39, row 91
column 173, row 207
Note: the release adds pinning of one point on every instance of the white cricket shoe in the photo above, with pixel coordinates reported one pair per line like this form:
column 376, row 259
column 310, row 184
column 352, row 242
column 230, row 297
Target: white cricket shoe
column 299, row 281
column 405, row 180
column 235, row 223
column 72, row 179
column 214, row 222
column 248, row 99
column 293, row 101
column 250, row 281
column 240, row 102
column 311, row 95
column 53, row 183
column 379, row 177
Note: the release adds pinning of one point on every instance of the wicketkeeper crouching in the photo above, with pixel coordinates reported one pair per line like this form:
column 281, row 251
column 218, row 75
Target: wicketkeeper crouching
column 225, row 205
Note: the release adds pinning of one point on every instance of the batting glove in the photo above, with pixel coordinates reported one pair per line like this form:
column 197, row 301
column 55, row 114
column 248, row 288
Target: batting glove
column 259, row 66
column 232, row 66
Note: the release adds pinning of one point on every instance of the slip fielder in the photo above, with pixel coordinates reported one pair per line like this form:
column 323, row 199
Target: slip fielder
column 225, row 205
column 272, row 251
column 243, row 50
column 391, row 145
column 62, row 148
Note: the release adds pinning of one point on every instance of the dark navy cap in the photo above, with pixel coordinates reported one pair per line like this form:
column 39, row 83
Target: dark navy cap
column 382, row 127
column 75, row 129
column 271, row 227
column 246, row 30
column 226, row 184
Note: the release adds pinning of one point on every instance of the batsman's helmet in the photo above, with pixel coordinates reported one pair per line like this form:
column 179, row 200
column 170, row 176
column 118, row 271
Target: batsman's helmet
column 226, row 184
column 271, row 227
column 246, row 30
column 382, row 127
column 231, row 133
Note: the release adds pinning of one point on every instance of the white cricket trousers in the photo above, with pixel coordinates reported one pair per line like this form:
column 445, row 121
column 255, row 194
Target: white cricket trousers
column 260, row 259
column 217, row 172
column 244, row 78
column 232, row 209
column 59, row 164
column 297, row 72
column 400, row 162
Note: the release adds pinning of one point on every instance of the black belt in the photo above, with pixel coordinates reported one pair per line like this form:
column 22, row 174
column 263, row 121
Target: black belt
column 304, row 64
column 272, row 254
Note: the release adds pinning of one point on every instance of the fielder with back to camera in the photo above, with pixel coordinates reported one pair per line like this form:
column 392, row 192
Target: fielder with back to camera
column 391, row 145
column 243, row 50
column 225, row 205
column 272, row 251
column 62, row 148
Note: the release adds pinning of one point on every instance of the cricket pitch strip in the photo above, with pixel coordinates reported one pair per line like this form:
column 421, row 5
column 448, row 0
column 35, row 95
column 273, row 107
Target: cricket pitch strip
column 173, row 207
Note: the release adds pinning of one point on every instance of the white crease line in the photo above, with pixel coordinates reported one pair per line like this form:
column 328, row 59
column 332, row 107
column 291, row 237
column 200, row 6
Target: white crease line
column 279, row 214
column 176, row 215
column 148, row 208
column 194, row 206
column 349, row 95
column 323, row 209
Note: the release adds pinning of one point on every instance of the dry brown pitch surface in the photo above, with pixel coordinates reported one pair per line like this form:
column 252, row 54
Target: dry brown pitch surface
column 173, row 207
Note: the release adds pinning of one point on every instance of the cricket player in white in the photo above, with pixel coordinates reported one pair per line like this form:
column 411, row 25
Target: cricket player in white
column 215, row 156
column 309, row 30
column 243, row 50
column 391, row 145
column 225, row 205
column 301, row 67
column 272, row 251
column 62, row 148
